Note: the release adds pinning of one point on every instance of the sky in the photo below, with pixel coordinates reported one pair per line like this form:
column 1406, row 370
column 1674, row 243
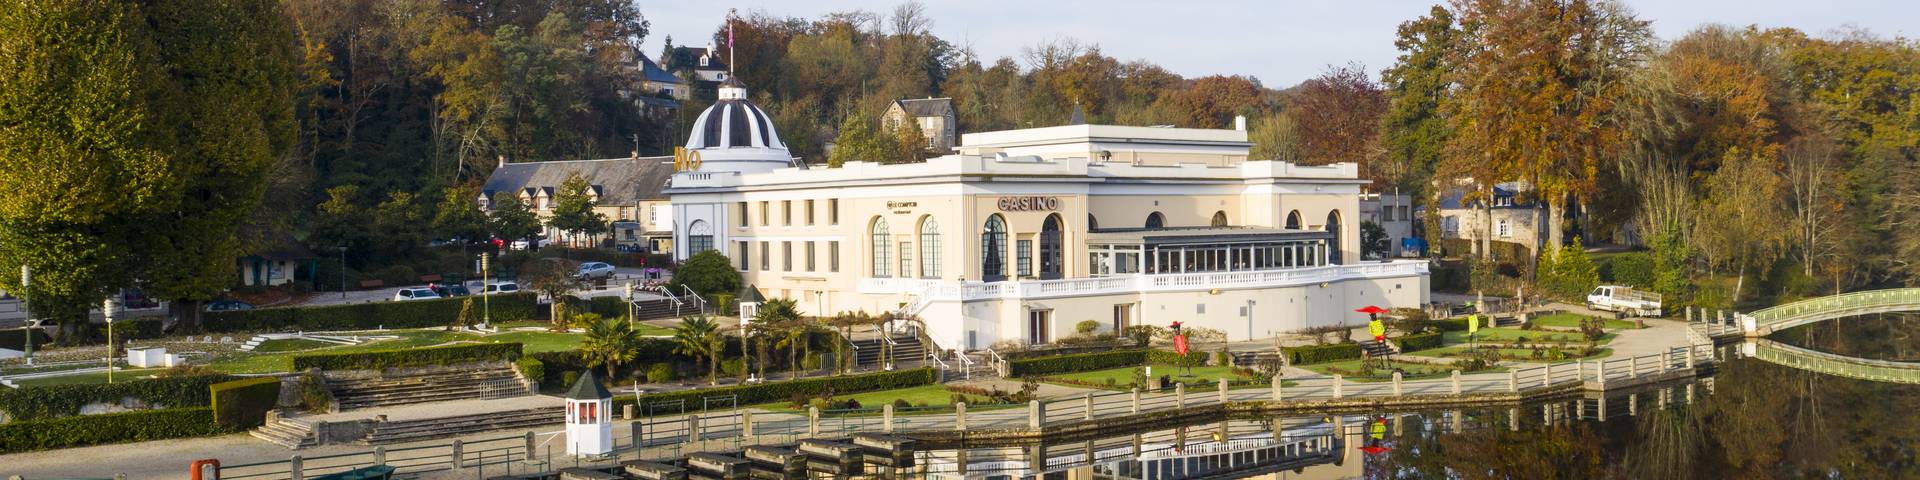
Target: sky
column 1280, row 42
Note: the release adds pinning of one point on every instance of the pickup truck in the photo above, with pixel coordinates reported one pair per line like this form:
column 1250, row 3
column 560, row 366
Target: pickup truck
column 1626, row 300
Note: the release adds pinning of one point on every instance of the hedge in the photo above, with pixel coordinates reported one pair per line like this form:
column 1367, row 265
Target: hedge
column 411, row 357
column 360, row 316
column 782, row 391
column 1079, row 362
column 1312, row 354
column 605, row 307
column 1194, row 358
column 16, row 339
column 1424, row 341
column 243, row 404
column 53, row 401
column 533, row 369
column 83, row 430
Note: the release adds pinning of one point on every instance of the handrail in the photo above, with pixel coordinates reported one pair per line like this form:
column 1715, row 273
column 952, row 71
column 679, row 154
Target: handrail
column 698, row 300
column 937, row 361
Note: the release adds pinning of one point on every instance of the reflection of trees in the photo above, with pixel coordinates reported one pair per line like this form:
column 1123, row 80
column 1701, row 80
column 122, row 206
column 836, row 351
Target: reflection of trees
column 1668, row 443
column 1568, row 451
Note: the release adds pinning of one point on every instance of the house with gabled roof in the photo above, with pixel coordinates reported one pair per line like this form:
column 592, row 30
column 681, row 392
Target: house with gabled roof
column 626, row 190
column 934, row 115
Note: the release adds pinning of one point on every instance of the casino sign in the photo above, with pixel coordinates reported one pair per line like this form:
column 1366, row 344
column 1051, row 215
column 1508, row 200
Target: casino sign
column 1029, row 204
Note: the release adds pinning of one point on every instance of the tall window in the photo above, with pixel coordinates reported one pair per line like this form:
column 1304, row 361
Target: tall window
column 1052, row 256
column 1092, row 223
column 740, row 252
column 786, row 213
column 809, row 215
column 881, row 245
column 906, row 259
column 809, row 255
column 929, row 248
column 786, row 256
column 1156, row 220
column 1023, row 258
column 833, row 256
column 766, row 256
column 1293, row 220
column 699, row 237
column 993, row 250
column 1333, row 247
column 765, row 215
column 833, row 211
column 743, row 212
column 1219, row 219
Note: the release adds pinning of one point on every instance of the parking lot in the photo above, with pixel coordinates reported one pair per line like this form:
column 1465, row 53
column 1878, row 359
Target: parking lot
column 614, row 287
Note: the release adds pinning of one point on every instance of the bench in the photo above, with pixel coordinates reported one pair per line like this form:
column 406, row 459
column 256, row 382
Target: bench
column 366, row 284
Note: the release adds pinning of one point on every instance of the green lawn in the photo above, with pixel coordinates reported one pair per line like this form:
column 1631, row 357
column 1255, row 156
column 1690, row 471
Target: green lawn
column 250, row 362
column 1510, row 334
column 1522, row 354
column 1123, row 377
column 1572, row 320
column 533, row 342
column 1413, row 370
column 89, row 378
column 289, row 345
column 930, row 395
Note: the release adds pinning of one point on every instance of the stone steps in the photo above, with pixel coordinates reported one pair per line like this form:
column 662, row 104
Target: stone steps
column 290, row 433
column 485, row 383
column 412, row 430
column 663, row 308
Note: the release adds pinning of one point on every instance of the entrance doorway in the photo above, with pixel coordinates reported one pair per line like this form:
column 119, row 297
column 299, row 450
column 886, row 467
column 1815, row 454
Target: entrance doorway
column 1039, row 324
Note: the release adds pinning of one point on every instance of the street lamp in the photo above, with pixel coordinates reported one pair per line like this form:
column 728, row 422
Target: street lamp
column 486, row 297
column 107, row 310
column 343, row 271
column 26, row 303
column 1249, row 319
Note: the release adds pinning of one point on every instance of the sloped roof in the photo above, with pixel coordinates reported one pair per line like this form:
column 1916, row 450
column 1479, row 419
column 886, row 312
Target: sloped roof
column 619, row 180
column 653, row 73
column 282, row 246
column 588, row 388
column 1452, row 198
column 750, row 294
column 926, row 107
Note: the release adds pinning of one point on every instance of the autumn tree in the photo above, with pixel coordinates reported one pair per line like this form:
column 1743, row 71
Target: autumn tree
column 1338, row 117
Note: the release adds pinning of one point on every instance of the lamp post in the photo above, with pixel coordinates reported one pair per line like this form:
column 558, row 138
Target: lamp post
column 26, row 303
column 1250, row 319
column 107, row 310
column 486, row 297
column 343, row 271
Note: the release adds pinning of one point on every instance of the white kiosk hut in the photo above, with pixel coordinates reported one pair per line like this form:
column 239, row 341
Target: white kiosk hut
column 589, row 424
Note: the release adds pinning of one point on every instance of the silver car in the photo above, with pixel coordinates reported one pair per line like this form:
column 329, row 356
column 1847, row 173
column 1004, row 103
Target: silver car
column 594, row 270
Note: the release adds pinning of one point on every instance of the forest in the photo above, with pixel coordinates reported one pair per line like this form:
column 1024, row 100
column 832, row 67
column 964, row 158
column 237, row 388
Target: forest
column 1735, row 153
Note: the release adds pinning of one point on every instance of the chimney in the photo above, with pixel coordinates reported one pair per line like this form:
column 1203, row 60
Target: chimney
column 503, row 160
column 1240, row 122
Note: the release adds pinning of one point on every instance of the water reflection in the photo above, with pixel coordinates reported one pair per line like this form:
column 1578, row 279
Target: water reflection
column 1751, row 419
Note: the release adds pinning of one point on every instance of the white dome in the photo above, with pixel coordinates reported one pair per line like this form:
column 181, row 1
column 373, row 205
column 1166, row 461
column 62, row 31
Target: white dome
column 734, row 122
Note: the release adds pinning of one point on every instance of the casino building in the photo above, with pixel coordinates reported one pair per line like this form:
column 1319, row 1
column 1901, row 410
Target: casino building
column 1025, row 233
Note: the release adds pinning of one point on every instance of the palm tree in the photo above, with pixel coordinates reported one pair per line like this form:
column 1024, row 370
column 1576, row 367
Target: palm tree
column 772, row 318
column 698, row 337
column 610, row 342
column 794, row 335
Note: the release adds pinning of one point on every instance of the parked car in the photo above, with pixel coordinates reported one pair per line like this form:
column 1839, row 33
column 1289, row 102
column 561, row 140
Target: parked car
column 521, row 244
column 449, row 291
column 502, row 287
column 134, row 298
column 414, row 293
column 1624, row 300
column 594, row 270
column 228, row 306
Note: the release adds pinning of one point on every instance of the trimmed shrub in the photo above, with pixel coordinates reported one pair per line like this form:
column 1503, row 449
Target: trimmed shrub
column 1422, row 341
column 53, row 401
column 532, row 369
column 83, row 430
column 1630, row 268
column 1312, row 354
column 414, row 314
column 810, row 387
column 1081, row 362
column 243, row 404
column 1194, row 358
column 659, row 373
column 314, row 395
column 16, row 339
column 412, row 357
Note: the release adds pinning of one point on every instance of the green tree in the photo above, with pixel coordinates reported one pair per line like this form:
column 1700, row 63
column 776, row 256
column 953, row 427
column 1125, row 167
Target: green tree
column 573, row 209
column 700, row 337
column 1274, row 138
column 774, row 317
column 459, row 215
column 1413, row 129
column 707, row 273
column 1373, row 240
column 858, row 141
column 611, row 342
column 797, row 337
column 555, row 278
column 146, row 149
column 402, row 222
column 510, row 219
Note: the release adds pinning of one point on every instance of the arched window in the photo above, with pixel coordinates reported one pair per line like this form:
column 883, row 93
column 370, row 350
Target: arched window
column 1293, row 220
column 699, row 237
column 1333, row 248
column 1092, row 223
column 929, row 248
column 1156, row 220
column 880, row 248
column 1052, row 257
column 993, row 249
column 1220, row 218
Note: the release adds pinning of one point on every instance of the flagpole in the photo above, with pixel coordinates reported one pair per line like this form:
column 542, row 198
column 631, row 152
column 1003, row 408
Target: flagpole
column 730, row 54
